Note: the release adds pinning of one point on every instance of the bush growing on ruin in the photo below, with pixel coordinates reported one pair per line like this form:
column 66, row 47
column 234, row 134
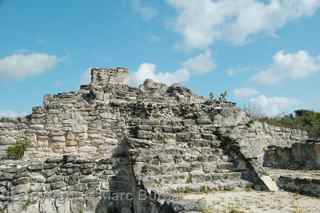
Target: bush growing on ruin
column 16, row 151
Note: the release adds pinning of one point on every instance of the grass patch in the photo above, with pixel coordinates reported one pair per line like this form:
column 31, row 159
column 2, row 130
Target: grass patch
column 248, row 189
column 296, row 208
column 204, row 189
column 27, row 204
column 234, row 210
column 206, row 211
column 187, row 190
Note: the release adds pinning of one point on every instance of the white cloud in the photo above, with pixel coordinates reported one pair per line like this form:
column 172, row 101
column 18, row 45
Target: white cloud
column 19, row 66
column 232, row 72
column 86, row 77
column 245, row 92
column 12, row 114
column 202, row 22
column 154, row 39
column 146, row 71
column 142, row 8
column 201, row 63
column 57, row 84
column 272, row 106
column 288, row 66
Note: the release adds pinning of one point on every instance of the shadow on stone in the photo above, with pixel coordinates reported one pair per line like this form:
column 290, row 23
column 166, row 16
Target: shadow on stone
column 126, row 195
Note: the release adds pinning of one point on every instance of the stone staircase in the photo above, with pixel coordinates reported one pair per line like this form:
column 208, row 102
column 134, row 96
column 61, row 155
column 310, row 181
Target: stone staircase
column 194, row 180
column 167, row 168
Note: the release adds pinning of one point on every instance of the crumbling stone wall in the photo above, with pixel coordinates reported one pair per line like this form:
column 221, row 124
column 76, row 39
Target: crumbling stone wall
column 65, row 184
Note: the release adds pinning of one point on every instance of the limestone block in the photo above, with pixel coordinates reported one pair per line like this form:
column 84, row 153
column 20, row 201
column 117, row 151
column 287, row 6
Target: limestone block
column 88, row 149
column 58, row 139
column 269, row 183
column 37, row 177
column 7, row 140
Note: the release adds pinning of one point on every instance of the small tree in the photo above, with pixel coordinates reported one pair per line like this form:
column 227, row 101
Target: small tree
column 211, row 96
column 223, row 96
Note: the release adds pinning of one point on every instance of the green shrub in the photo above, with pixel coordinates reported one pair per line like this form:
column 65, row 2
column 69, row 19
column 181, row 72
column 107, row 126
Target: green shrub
column 206, row 211
column 26, row 204
column 17, row 150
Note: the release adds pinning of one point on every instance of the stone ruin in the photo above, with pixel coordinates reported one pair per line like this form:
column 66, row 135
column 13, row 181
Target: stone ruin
column 163, row 142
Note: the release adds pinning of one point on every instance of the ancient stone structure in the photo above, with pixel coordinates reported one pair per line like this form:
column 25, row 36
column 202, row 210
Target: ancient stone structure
column 108, row 138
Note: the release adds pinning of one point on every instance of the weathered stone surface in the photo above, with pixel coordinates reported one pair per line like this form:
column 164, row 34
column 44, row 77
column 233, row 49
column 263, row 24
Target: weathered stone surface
column 297, row 156
column 270, row 184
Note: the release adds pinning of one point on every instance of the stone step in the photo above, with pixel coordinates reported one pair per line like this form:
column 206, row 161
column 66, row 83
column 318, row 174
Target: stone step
column 163, row 157
column 225, row 166
column 176, row 149
column 184, row 167
column 204, row 187
column 169, row 139
column 190, row 178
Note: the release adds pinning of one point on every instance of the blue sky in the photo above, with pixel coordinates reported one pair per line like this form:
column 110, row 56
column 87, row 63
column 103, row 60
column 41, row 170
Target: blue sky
column 266, row 54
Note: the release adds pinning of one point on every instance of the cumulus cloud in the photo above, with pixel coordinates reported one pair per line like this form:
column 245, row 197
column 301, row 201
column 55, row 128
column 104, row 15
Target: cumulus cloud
column 154, row 39
column 201, row 63
column 11, row 114
column 142, row 8
column 146, row 71
column 57, row 84
column 234, row 71
column 86, row 77
column 272, row 106
column 245, row 92
column 22, row 65
column 202, row 22
column 288, row 66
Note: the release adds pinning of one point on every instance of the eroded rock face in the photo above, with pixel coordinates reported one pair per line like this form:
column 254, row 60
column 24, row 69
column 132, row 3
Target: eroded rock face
column 177, row 142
